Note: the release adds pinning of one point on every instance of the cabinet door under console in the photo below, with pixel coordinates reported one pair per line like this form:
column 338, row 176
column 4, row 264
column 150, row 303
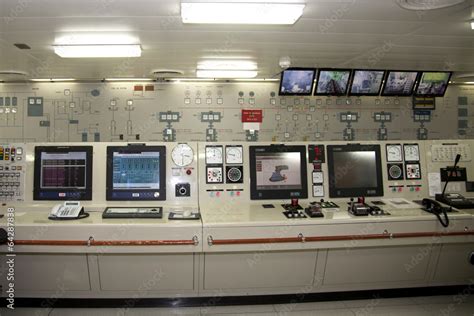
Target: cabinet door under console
column 259, row 269
column 146, row 272
column 49, row 272
column 454, row 264
column 376, row 266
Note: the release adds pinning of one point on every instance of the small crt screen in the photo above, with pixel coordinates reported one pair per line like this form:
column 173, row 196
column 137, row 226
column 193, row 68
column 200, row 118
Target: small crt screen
column 63, row 173
column 63, row 170
column 278, row 171
column 357, row 169
column 136, row 170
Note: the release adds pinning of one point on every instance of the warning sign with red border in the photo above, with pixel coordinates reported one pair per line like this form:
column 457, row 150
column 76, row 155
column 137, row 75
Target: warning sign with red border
column 252, row 116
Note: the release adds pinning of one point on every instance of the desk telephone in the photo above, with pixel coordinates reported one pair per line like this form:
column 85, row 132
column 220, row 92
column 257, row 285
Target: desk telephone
column 67, row 211
column 437, row 209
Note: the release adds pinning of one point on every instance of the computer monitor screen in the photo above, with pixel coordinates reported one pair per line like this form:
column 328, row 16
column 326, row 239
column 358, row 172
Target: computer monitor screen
column 332, row 81
column 63, row 173
column 366, row 82
column 432, row 84
column 399, row 83
column 278, row 172
column 136, row 173
column 354, row 170
column 297, row 81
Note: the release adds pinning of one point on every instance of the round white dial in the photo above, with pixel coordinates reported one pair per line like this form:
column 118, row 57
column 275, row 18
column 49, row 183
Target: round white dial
column 394, row 153
column 214, row 155
column 182, row 155
column 412, row 153
column 233, row 155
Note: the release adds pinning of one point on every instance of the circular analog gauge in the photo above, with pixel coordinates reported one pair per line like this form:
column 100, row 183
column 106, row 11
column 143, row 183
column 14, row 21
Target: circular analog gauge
column 234, row 174
column 182, row 155
column 394, row 153
column 395, row 172
column 233, row 155
column 412, row 153
column 214, row 155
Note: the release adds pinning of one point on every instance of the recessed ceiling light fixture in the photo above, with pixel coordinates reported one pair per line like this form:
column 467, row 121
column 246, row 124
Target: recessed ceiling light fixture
column 128, row 79
column 239, row 12
column 226, row 74
column 52, row 79
column 226, row 68
column 472, row 25
column 427, row 5
column 227, row 64
column 98, row 50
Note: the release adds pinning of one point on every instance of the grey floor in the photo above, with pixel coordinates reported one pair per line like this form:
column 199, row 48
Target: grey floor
column 460, row 304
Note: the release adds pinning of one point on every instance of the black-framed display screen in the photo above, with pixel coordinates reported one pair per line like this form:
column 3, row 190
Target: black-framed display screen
column 366, row 82
column 278, row 172
column 432, row 84
column 355, row 170
column 332, row 82
column 399, row 83
column 297, row 81
column 136, row 173
column 63, row 173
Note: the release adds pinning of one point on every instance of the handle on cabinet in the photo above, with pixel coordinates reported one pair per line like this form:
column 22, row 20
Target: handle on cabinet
column 210, row 240
column 196, row 240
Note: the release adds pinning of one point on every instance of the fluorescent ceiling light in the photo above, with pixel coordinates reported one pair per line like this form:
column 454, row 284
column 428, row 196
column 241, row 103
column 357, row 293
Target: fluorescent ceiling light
column 230, row 74
column 472, row 25
column 224, row 64
column 258, row 80
column 129, row 79
column 234, row 12
column 98, row 50
column 52, row 79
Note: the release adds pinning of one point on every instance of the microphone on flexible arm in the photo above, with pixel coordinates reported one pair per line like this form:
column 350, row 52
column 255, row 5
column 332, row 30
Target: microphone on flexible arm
column 456, row 160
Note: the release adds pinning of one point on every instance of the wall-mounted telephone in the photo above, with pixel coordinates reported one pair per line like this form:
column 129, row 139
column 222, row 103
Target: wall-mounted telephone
column 437, row 209
column 68, row 210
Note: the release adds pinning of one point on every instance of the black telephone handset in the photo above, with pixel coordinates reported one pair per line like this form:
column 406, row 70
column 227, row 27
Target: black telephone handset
column 437, row 209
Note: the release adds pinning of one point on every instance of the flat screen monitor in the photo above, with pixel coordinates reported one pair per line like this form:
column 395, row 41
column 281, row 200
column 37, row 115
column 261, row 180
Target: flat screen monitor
column 278, row 172
column 432, row 84
column 297, row 81
column 332, row 82
column 366, row 82
column 399, row 83
column 63, row 173
column 136, row 172
column 355, row 170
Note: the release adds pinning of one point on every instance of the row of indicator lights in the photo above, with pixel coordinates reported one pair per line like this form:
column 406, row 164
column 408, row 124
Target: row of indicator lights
column 218, row 193
column 400, row 189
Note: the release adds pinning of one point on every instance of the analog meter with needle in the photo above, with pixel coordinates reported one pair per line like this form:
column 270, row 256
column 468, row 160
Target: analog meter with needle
column 394, row 153
column 412, row 152
column 214, row 155
column 182, row 155
column 233, row 154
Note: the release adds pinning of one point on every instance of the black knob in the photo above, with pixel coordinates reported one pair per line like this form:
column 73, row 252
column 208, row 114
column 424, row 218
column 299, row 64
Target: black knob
column 322, row 200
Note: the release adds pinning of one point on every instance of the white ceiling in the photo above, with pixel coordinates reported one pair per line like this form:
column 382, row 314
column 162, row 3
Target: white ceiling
column 344, row 33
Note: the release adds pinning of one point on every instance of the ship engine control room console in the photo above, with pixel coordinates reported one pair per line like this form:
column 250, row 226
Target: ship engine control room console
column 317, row 214
column 148, row 155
